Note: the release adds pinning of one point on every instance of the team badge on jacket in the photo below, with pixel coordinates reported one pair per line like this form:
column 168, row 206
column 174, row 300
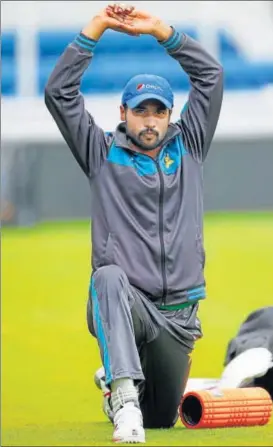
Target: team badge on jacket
column 168, row 161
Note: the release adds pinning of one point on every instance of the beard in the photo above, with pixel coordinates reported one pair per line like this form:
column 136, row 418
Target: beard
column 136, row 139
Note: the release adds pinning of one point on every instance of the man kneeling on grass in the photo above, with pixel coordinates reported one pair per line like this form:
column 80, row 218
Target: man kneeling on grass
column 147, row 218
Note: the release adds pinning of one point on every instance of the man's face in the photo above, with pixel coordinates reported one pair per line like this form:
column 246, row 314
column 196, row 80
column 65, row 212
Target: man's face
column 147, row 124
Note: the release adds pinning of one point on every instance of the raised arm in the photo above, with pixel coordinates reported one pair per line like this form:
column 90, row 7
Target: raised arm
column 200, row 116
column 87, row 141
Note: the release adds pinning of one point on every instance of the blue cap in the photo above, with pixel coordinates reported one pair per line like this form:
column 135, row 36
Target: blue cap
column 147, row 86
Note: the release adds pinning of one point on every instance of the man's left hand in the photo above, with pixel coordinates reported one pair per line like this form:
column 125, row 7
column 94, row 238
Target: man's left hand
column 138, row 22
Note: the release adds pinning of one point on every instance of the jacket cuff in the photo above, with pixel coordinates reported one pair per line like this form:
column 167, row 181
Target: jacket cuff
column 85, row 42
column 173, row 42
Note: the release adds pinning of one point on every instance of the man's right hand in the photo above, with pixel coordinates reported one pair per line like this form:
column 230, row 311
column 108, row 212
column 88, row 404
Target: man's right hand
column 102, row 21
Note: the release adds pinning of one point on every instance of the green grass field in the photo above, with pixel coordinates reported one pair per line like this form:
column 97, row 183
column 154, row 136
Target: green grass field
column 48, row 356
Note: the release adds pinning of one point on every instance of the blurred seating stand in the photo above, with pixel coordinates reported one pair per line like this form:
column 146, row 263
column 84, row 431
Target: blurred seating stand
column 28, row 58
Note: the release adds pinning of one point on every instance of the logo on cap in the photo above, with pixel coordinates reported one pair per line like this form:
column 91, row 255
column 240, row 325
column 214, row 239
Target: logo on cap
column 148, row 86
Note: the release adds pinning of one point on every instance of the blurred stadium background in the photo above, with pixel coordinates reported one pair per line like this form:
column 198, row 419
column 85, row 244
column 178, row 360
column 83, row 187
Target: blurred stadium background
column 48, row 356
column 37, row 167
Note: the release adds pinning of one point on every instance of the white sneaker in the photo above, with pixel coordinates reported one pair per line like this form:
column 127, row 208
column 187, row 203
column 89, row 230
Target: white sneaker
column 128, row 424
column 99, row 380
column 247, row 366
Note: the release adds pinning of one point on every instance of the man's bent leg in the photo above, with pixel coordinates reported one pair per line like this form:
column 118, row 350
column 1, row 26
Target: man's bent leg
column 112, row 324
column 166, row 365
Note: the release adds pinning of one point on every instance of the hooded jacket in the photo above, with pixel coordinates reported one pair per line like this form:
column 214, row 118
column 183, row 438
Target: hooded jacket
column 147, row 214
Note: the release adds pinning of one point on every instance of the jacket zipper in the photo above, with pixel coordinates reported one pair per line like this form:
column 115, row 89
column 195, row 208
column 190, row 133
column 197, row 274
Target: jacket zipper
column 161, row 234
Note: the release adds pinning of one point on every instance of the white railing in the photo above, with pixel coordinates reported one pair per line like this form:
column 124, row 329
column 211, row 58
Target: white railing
column 246, row 114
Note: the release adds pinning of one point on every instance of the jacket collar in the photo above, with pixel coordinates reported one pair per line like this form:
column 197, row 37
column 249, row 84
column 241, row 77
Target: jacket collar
column 122, row 140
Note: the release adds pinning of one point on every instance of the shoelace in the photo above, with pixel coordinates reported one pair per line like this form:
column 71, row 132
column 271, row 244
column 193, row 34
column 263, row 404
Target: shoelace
column 121, row 397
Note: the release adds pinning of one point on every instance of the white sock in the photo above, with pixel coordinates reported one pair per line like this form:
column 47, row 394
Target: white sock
column 124, row 383
column 123, row 391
